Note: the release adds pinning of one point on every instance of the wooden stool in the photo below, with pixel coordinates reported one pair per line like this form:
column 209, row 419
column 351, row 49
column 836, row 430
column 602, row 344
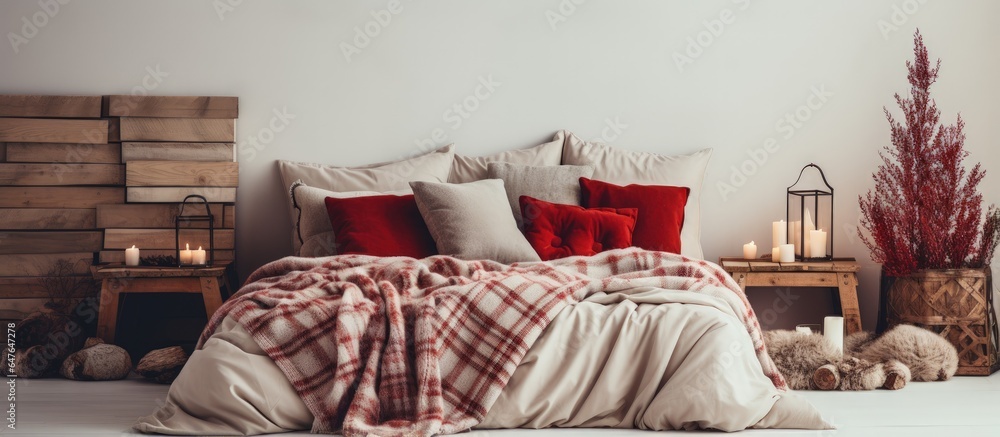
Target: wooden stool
column 840, row 273
column 117, row 279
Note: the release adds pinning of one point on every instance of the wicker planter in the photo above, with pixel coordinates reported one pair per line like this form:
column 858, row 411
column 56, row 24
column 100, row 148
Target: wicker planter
column 958, row 304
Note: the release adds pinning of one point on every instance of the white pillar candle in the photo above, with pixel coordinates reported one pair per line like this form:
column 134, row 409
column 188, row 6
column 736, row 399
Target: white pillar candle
column 817, row 240
column 750, row 250
column 198, row 256
column 775, row 254
column 796, row 230
column 833, row 330
column 786, row 253
column 779, row 233
column 132, row 256
column 186, row 254
column 807, row 229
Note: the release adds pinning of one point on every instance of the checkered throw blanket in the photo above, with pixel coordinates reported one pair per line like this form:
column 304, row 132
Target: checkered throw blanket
column 398, row 346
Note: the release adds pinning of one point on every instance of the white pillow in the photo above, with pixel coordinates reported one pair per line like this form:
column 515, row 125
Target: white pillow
column 473, row 168
column 472, row 221
column 623, row 167
column 382, row 178
column 313, row 231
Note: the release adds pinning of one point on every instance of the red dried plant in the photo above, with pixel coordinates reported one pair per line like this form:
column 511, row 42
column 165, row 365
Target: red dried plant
column 926, row 209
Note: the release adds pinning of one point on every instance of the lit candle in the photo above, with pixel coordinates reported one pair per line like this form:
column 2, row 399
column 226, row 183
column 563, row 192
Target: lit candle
column 775, row 254
column 817, row 240
column 779, row 233
column 186, row 254
column 833, row 330
column 132, row 256
column 198, row 256
column 786, row 253
column 750, row 250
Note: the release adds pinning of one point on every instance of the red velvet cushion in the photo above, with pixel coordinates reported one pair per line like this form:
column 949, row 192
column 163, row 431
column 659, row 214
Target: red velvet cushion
column 557, row 231
column 380, row 226
column 661, row 210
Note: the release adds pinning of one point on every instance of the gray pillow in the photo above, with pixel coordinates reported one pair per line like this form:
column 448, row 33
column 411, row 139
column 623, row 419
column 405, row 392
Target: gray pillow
column 556, row 184
column 472, row 221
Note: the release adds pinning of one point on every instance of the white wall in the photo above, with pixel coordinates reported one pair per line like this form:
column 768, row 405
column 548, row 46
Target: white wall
column 606, row 61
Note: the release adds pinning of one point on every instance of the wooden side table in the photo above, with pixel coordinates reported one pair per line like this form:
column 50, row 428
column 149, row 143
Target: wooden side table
column 840, row 273
column 117, row 279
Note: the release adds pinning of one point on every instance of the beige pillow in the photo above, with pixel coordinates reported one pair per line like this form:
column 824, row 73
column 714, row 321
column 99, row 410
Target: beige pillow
column 374, row 179
column 556, row 184
column 473, row 168
column 623, row 167
column 472, row 221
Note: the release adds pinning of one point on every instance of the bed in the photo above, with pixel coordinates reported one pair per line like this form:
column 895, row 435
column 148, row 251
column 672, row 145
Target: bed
column 561, row 324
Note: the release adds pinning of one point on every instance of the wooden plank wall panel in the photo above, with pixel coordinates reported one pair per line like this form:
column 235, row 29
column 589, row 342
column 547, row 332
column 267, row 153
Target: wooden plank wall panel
column 43, row 264
column 59, row 197
column 61, row 174
column 18, row 309
column 177, row 194
column 114, row 130
column 32, row 287
column 38, row 130
column 181, row 174
column 159, row 151
column 229, row 216
column 164, row 238
column 178, row 129
column 153, row 215
column 3, row 152
column 118, row 256
column 172, row 106
column 65, row 153
column 47, row 218
column 30, row 242
column 50, row 106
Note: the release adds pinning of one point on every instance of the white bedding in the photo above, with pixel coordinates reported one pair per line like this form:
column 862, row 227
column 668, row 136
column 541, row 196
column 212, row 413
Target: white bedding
column 643, row 358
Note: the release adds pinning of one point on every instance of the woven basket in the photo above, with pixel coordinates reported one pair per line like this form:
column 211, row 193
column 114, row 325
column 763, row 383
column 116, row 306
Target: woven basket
column 958, row 304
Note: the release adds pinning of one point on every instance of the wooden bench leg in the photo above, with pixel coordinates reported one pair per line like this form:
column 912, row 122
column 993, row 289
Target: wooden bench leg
column 211, row 294
column 108, row 310
column 741, row 280
column 848, row 288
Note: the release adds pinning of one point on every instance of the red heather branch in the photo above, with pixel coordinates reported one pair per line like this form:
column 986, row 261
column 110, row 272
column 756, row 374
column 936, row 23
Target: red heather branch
column 925, row 210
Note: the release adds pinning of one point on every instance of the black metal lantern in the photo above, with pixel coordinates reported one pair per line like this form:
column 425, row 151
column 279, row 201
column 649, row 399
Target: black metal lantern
column 188, row 257
column 809, row 214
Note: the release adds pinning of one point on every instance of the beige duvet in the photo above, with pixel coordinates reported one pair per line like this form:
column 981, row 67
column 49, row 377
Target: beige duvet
column 646, row 358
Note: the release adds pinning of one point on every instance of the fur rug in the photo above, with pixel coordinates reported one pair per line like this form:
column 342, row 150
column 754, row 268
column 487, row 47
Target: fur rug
column 905, row 352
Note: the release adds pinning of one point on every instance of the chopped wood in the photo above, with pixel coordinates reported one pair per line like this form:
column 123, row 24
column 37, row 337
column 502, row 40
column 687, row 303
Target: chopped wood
column 178, row 129
column 160, row 151
column 59, row 197
column 173, row 106
column 38, row 130
column 61, row 174
column 47, row 218
column 164, row 238
column 50, row 106
column 27, row 242
column 64, row 153
column 177, row 194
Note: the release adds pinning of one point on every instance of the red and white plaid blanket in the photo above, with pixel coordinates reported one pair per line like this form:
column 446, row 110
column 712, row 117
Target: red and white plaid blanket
column 398, row 346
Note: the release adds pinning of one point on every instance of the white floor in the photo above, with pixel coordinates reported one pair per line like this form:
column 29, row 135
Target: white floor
column 965, row 406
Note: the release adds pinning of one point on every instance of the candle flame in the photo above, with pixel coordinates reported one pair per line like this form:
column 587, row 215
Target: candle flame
column 199, row 248
column 133, row 246
column 187, row 246
column 751, row 242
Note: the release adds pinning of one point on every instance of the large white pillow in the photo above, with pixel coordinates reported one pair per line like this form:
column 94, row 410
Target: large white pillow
column 623, row 167
column 313, row 231
column 473, row 168
column 385, row 177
